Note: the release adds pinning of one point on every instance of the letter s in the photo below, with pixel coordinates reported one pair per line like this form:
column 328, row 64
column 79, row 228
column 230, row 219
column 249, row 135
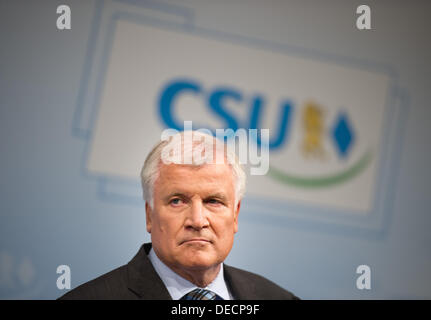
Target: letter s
column 215, row 103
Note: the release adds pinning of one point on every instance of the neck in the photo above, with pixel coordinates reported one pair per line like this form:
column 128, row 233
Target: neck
column 199, row 277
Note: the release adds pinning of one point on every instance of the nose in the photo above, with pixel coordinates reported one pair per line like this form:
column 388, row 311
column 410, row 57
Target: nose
column 196, row 218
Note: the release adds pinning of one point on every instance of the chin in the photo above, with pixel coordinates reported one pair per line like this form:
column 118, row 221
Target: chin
column 199, row 260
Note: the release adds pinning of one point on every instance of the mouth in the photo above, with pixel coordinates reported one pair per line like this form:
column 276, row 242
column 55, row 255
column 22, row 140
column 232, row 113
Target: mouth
column 196, row 241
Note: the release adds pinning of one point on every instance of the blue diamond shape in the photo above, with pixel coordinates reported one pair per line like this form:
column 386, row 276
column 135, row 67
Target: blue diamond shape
column 343, row 135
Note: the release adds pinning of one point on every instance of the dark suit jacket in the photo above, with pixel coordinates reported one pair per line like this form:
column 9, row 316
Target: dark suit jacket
column 139, row 280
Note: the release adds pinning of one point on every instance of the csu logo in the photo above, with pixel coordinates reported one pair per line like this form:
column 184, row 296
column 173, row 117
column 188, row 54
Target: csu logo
column 318, row 140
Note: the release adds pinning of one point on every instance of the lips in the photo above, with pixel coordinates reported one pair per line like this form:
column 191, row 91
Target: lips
column 196, row 240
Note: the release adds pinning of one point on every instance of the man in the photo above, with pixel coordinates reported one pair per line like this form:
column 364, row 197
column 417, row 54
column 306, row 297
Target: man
column 192, row 206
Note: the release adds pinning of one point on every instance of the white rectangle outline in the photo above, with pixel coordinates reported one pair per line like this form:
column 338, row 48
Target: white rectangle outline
column 375, row 223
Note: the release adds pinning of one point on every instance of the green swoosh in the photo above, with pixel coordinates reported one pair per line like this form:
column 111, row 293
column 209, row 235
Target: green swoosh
column 323, row 181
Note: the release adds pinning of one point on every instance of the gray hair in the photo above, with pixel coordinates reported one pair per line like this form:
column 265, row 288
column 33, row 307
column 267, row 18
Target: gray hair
column 151, row 167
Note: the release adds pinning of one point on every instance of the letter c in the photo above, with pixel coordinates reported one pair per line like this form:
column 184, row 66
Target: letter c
column 169, row 93
column 234, row 308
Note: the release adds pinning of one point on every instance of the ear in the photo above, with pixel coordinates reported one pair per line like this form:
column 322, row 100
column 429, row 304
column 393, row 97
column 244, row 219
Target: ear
column 148, row 212
column 236, row 213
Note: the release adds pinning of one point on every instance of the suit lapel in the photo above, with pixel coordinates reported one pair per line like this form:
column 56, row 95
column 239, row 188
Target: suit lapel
column 240, row 287
column 143, row 279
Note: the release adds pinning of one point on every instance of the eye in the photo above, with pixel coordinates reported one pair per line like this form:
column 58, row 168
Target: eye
column 213, row 201
column 176, row 201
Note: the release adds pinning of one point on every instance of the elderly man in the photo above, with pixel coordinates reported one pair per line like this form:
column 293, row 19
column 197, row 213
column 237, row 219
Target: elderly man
column 192, row 208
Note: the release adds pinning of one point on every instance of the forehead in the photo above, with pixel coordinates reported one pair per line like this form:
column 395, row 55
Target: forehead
column 187, row 178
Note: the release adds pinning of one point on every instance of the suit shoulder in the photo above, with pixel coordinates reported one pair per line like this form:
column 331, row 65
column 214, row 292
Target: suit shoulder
column 111, row 285
column 263, row 288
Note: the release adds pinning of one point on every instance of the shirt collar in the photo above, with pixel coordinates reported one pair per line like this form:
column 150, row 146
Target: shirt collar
column 178, row 286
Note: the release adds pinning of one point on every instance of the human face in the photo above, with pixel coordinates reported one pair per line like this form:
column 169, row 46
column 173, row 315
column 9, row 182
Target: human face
column 194, row 218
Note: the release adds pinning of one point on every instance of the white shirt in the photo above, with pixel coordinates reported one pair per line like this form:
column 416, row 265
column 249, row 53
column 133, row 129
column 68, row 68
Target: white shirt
column 178, row 286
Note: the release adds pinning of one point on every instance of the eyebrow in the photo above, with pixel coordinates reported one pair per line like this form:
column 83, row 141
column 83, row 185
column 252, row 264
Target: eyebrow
column 218, row 195
column 176, row 194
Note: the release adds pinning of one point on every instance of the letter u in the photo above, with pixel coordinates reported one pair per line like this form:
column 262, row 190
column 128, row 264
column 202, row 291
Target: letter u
column 258, row 107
